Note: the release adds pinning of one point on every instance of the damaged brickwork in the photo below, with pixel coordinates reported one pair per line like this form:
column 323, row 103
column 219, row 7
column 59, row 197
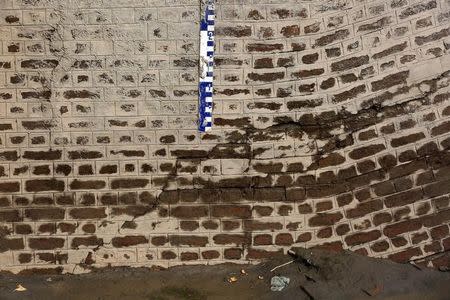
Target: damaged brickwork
column 331, row 129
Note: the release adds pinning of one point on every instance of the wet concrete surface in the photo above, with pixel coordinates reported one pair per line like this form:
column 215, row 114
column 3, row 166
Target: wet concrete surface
column 313, row 275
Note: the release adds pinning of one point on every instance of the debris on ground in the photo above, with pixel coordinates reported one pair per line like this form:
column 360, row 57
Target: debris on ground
column 303, row 258
column 278, row 283
column 20, row 288
column 282, row 265
column 232, row 279
column 374, row 291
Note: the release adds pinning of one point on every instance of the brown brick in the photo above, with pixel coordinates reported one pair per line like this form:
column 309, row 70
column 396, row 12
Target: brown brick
column 330, row 246
column 236, row 31
column 263, row 211
column 87, row 213
column 342, row 229
column 7, row 244
column 44, row 185
column 262, row 63
column 169, row 197
column 344, row 199
column 307, row 73
column 432, row 247
column 437, row 188
column 332, row 159
column 227, row 239
column 84, row 155
column 439, row 232
column 333, row 37
column 268, row 168
column 260, row 47
column 402, row 227
column 380, row 246
column 377, row 25
column 9, row 155
column 10, row 216
column 325, row 219
column 391, row 50
column 362, row 237
column 441, row 129
column 167, row 254
column 210, row 225
column 427, row 149
column 416, row 238
column 349, row 63
column 417, row 8
column 328, row 83
column 387, row 161
column 295, row 194
column 90, row 241
column 407, row 169
column 366, row 151
column 44, row 214
column 404, row 140
column 439, row 218
column 284, row 239
column 25, row 258
column 327, row 190
column 132, row 210
column 324, row 206
column 406, row 255
column 403, row 198
column 269, row 194
column 189, row 225
column 233, row 253
column 67, row 227
column 266, row 77
column 290, row 31
column 325, row 233
column 231, row 211
column 23, row 229
column 230, row 225
column 349, row 94
column 188, row 240
column 189, row 256
column 47, row 228
column 258, row 254
column 364, row 208
column 87, row 184
column 128, row 241
column 43, row 155
column 305, row 208
column 390, row 81
column 254, row 225
column 384, row 188
column 423, row 208
column 262, row 239
column 39, row 63
column 48, row 243
column 304, row 237
column 88, row 228
column 381, row 218
column 129, row 183
column 189, row 212
column 160, row 240
column 210, row 254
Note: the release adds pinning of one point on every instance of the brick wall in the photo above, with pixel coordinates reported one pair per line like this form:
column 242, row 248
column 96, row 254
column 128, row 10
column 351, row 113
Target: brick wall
column 332, row 129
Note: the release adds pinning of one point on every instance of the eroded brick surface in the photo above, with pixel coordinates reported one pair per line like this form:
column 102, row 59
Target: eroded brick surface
column 331, row 130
